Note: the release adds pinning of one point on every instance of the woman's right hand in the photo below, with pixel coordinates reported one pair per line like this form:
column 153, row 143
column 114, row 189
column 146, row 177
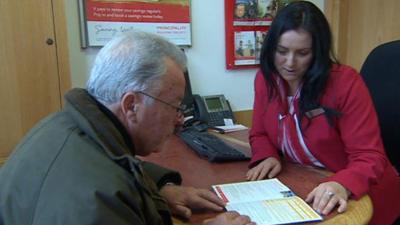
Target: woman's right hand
column 270, row 167
column 229, row 218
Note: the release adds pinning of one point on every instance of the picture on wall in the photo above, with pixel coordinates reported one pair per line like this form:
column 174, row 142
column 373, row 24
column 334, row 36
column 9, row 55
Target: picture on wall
column 248, row 46
column 260, row 36
column 101, row 20
column 245, row 51
column 254, row 12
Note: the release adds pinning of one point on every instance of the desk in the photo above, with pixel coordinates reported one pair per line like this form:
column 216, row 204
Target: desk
column 198, row 172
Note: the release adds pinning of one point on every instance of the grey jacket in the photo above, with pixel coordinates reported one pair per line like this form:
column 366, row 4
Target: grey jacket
column 75, row 167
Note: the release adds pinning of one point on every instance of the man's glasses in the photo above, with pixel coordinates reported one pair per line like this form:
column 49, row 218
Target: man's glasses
column 181, row 108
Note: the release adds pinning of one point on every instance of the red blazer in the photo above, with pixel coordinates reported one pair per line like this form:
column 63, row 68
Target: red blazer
column 352, row 148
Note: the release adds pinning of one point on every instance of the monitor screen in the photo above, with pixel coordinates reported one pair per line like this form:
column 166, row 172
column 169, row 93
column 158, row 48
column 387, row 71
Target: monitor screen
column 188, row 98
column 213, row 103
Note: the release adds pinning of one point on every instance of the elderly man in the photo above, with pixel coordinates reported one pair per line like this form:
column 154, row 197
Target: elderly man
column 78, row 166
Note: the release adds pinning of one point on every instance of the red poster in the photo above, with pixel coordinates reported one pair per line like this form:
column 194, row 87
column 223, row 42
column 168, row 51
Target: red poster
column 107, row 18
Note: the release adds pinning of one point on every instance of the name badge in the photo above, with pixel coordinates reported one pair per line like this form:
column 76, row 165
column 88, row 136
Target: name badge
column 315, row 112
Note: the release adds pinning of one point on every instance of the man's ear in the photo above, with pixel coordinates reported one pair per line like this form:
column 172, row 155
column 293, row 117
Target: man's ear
column 129, row 104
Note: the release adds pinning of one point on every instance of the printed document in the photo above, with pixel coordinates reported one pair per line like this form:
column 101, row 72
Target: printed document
column 266, row 202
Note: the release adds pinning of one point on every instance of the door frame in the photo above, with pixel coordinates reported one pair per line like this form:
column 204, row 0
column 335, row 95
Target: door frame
column 60, row 30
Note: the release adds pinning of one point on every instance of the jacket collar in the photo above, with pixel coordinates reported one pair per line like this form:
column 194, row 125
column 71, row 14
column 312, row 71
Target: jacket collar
column 98, row 123
column 116, row 123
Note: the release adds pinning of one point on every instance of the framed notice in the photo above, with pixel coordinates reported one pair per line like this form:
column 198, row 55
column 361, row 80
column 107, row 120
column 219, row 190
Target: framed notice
column 101, row 20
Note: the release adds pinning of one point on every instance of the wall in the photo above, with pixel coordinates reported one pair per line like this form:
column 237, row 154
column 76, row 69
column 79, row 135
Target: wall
column 206, row 56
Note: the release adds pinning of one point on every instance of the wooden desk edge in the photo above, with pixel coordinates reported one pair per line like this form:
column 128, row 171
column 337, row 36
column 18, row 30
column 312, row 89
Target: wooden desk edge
column 355, row 214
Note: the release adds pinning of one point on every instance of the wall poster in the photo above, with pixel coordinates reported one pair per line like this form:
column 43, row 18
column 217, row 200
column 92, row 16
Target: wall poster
column 101, row 20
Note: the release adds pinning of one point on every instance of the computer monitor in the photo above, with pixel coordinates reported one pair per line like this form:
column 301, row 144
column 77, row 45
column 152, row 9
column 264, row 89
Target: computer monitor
column 188, row 98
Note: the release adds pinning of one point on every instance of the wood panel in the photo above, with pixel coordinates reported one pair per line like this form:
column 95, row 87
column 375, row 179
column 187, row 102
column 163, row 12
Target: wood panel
column 244, row 117
column 29, row 72
column 359, row 26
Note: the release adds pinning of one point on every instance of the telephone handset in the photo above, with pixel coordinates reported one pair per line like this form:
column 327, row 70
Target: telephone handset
column 212, row 109
column 200, row 111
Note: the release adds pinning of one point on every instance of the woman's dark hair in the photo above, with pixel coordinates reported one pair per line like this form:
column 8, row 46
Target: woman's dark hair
column 302, row 15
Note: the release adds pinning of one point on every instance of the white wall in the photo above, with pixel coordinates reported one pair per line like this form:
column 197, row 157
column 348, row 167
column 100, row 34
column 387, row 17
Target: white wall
column 206, row 56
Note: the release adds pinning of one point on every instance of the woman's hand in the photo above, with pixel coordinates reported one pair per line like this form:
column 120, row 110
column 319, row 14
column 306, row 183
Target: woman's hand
column 270, row 167
column 327, row 195
column 229, row 218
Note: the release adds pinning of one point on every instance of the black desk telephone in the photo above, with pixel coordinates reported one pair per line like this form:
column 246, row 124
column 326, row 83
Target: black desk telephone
column 212, row 110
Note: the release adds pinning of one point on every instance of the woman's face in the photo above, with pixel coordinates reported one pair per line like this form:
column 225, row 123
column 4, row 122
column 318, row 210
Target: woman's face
column 293, row 56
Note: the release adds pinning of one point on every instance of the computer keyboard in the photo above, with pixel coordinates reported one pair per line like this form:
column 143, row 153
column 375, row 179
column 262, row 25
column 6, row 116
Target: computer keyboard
column 210, row 146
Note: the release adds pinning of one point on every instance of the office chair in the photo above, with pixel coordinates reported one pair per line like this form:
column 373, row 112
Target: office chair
column 381, row 73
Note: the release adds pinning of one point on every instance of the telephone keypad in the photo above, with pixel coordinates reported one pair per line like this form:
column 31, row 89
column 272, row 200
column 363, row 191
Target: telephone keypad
column 217, row 118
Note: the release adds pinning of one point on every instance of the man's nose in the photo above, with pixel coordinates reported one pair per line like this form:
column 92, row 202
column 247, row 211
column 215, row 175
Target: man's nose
column 179, row 119
column 179, row 123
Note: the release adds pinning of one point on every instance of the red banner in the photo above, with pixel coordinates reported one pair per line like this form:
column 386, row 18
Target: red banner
column 137, row 11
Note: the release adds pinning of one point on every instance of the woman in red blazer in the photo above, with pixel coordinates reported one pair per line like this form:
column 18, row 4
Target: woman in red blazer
column 311, row 110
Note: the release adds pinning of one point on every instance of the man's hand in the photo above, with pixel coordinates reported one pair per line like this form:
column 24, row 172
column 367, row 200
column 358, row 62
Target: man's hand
column 327, row 195
column 182, row 200
column 270, row 167
column 229, row 218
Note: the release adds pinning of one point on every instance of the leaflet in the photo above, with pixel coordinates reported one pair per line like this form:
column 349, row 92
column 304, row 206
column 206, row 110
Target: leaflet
column 266, row 202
